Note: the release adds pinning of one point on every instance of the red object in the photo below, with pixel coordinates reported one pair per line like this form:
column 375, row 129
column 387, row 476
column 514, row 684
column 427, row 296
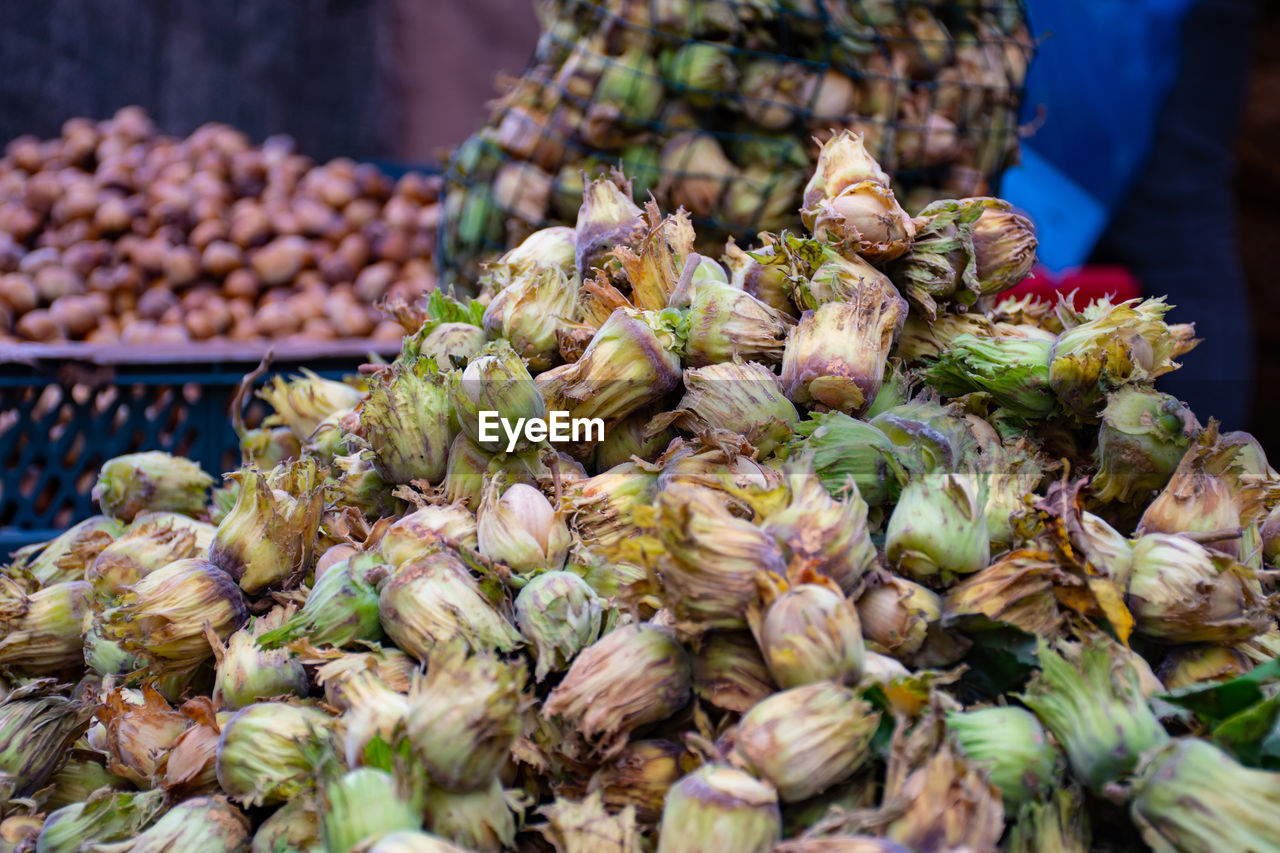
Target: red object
column 1089, row 283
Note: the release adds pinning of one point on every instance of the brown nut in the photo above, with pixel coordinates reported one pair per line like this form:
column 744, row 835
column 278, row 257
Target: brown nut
column 37, row 325
column 86, row 256
column 155, row 302
column 73, row 315
column 19, row 222
column 208, row 232
column 181, row 265
column 280, row 260
column 53, row 282
column 373, row 282
column 221, row 258
column 250, row 228
column 242, row 283
column 388, row 330
column 113, row 215
column 18, row 291
column 276, row 319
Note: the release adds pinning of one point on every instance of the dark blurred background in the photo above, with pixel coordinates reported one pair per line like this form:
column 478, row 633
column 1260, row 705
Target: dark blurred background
column 404, row 79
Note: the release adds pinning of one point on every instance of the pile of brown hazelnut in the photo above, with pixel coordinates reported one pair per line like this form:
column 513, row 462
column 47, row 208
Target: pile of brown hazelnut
column 115, row 233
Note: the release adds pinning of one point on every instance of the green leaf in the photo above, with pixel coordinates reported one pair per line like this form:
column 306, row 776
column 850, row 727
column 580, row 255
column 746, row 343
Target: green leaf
column 1216, row 702
column 1253, row 735
column 1001, row 660
column 446, row 309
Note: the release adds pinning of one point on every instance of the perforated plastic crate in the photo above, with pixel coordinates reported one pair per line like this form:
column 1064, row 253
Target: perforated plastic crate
column 67, row 408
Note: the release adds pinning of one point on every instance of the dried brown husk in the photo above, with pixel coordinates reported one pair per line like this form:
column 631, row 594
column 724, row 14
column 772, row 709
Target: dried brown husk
column 729, row 671
column 189, row 768
column 138, row 736
column 1018, row 590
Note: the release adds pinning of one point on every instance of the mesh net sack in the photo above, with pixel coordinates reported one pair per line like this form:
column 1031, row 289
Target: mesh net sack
column 719, row 106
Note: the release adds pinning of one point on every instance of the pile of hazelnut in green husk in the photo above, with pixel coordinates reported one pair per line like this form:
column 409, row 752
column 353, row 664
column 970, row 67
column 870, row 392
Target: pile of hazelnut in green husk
column 868, row 559
column 711, row 106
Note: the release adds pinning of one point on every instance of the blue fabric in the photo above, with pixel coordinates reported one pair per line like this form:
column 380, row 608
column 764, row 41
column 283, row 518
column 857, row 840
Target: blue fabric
column 1095, row 90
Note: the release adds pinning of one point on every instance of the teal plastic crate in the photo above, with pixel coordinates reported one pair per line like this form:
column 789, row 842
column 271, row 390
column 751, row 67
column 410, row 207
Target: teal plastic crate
column 67, row 408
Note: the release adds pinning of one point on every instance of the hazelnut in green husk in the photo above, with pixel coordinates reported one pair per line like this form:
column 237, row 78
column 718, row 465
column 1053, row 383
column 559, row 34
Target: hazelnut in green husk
column 270, row 534
column 247, row 673
column 844, row 450
column 434, row 600
column 726, row 323
column 720, row 808
column 495, row 381
column 517, row 526
column 1094, row 706
column 1013, row 370
column 84, row 773
column 303, row 403
column 820, row 533
column 105, row 816
column 149, row 544
column 37, row 725
column 266, row 751
column 806, row 739
column 340, row 610
column 640, row 776
column 1113, row 346
column 452, row 344
column 528, row 312
column 201, row 825
column 466, row 716
column 1143, row 436
column 293, row 826
column 940, row 266
column 588, row 827
column 635, row 435
column 165, row 616
column 760, row 273
column 708, row 574
column 741, row 397
column 1191, row 797
column 729, row 671
column 1004, row 249
column 634, row 675
column 607, row 219
column 373, row 711
column 481, row 821
column 1014, row 747
column 848, row 201
column 633, row 359
column 836, row 356
column 560, row 615
column 1060, row 825
column 1181, row 592
column 355, row 482
column 939, row 527
column 362, row 806
column 809, row 633
column 67, row 556
column 152, row 481
column 835, row 278
column 895, row 614
column 406, row 421
column 420, row 532
column 44, row 634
